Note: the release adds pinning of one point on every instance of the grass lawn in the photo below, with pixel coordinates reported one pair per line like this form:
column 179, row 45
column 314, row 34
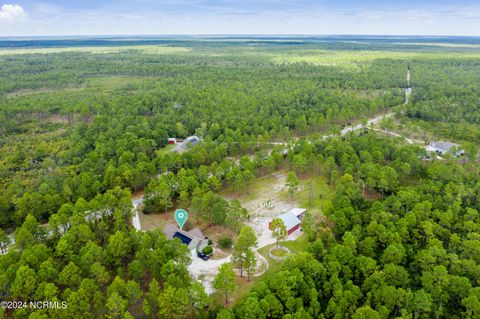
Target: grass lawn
column 244, row 286
column 165, row 150
column 154, row 221
column 279, row 252
column 296, row 246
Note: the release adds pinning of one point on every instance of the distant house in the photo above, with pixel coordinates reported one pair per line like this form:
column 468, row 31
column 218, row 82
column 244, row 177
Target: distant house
column 188, row 143
column 194, row 238
column 172, row 140
column 442, row 148
column 292, row 222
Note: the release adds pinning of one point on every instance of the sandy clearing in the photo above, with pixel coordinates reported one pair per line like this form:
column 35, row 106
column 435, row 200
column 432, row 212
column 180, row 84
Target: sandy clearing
column 267, row 204
column 205, row 271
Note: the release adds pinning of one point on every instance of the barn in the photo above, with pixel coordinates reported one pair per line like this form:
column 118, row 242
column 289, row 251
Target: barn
column 292, row 223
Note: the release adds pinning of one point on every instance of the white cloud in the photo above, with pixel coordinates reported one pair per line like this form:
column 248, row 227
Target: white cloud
column 12, row 13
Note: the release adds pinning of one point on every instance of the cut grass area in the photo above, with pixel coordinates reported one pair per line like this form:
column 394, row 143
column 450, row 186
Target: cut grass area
column 244, row 286
column 279, row 252
column 295, row 246
column 147, row 49
column 165, row 150
column 154, row 221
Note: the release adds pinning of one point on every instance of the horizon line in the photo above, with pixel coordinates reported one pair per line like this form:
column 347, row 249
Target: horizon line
column 238, row 35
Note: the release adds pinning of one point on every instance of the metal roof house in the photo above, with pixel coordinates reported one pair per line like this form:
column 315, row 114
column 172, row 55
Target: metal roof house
column 188, row 143
column 194, row 238
column 444, row 148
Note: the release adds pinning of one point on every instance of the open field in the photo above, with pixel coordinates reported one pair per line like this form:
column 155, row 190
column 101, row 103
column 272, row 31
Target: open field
column 265, row 199
column 296, row 246
column 362, row 58
column 165, row 150
column 148, row 49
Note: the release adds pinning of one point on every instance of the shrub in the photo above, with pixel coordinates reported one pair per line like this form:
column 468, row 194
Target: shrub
column 208, row 250
column 225, row 242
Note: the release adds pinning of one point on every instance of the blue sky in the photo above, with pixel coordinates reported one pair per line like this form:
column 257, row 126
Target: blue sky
column 88, row 17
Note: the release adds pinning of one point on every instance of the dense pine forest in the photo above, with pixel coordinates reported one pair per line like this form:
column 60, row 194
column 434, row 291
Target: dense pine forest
column 392, row 231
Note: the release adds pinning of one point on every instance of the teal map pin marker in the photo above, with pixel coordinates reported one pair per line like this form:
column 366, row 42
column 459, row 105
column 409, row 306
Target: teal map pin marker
column 181, row 217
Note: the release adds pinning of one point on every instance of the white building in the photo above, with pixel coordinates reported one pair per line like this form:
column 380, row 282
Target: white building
column 443, row 148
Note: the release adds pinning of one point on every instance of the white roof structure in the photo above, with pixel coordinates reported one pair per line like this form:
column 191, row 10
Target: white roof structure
column 444, row 147
column 298, row 211
column 289, row 219
column 188, row 143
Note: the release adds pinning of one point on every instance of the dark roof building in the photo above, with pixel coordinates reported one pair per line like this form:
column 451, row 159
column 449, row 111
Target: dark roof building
column 194, row 238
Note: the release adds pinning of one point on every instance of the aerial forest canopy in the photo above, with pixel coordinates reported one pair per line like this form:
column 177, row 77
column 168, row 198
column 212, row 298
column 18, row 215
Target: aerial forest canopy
column 84, row 126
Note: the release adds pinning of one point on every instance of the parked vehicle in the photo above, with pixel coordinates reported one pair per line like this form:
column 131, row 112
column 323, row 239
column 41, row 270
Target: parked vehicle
column 203, row 256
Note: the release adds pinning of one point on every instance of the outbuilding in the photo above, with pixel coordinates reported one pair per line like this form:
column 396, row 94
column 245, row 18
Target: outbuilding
column 299, row 212
column 292, row 223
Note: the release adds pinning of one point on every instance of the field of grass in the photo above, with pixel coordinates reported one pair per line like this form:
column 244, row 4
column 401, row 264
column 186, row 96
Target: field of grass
column 252, row 190
column 148, row 49
column 315, row 191
column 165, row 150
column 359, row 58
column 103, row 85
column 296, row 246
column 443, row 45
column 244, row 286
column 279, row 253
